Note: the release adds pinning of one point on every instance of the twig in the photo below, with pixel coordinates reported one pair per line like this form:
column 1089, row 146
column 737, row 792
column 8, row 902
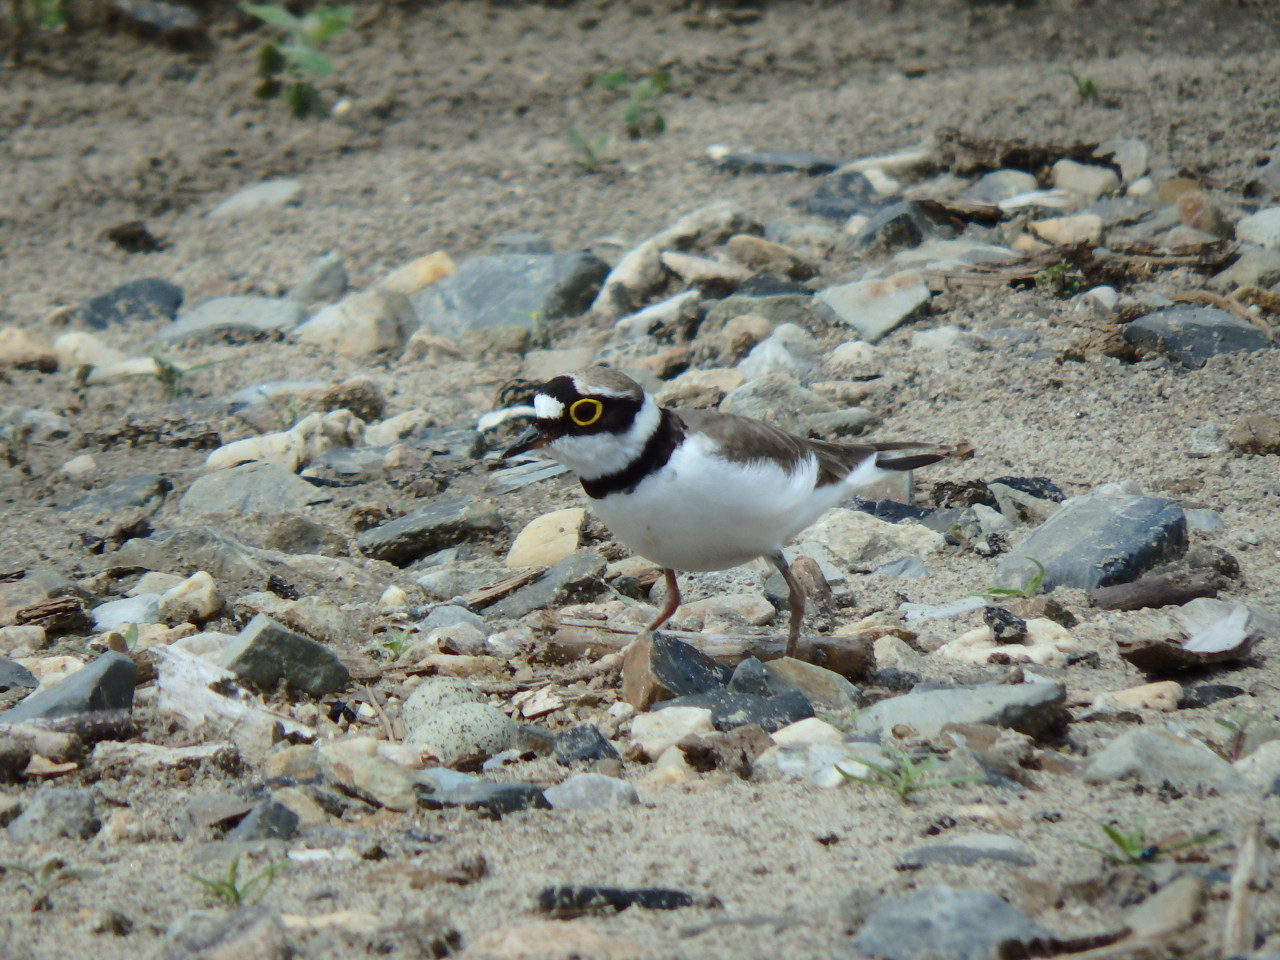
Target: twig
column 1250, row 877
column 372, row 699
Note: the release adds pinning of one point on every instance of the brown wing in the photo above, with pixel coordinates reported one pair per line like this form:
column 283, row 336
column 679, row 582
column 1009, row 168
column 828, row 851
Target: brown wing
column 743, row 439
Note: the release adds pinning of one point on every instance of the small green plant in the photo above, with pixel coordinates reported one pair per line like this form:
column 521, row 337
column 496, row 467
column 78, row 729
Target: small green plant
column 169, row 373
column 1130, row 846
column 393, row 645
column 639, row 116
column 131, row 636
column 230, row 891
column 42, row 880
column 1086, row 87
column 1237, row 722
column 48, row 14
column 907, row 775
column 1060, row 280
column 589, row 154
column 288, row 64
column 1028, row 589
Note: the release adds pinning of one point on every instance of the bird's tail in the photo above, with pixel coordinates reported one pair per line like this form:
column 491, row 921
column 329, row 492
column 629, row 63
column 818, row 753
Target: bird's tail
column 911, row 456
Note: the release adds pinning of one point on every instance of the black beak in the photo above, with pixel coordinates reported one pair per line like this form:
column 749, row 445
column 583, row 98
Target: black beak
column 531, row 439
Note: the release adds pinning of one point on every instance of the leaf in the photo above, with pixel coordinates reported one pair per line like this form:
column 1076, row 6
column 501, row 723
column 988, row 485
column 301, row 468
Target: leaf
column 577, row 141
column 271, row 14
column 303, row 59
column 613, row 79
column 659, row 124
column 304, row 101
column 325, row 22
column 270, row 60
column 660, row 80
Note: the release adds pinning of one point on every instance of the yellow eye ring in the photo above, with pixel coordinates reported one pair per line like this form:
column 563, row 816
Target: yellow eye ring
column 586, row 411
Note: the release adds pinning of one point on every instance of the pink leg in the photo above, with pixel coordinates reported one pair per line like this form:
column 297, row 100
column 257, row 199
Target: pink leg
column 795, row 599
column 672, row 604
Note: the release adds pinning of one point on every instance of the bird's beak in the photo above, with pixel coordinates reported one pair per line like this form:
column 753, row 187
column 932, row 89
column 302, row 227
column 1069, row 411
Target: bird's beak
column 531, row 439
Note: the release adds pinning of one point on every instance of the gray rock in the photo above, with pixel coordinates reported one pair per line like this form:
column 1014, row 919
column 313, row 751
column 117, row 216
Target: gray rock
column 492, row 799
column 802, row 309
column 33, row 425
column 250, row 933
column 193, row 548
column 899, row 225
column 522, row 241
column 823, row 688
column 266, row 653
column 839, row 196
column 946, row 923
column 267, row 195
column 54, row 813
column 1190, row 335
column 237, row 316
column 1000, row 185
column 269, row 820
column 174, row 20
column 1097, row 540
column 14, row 676
column 591, row 791
column 576, row 578
column 304, row 535
column 1257, row 267
column 875, row 306
column 1155, row 756
column 118, row 614
column 1209, row 440
column 772, row 161
column 1029, row 708
column 582, row 744
column 361, row 324
column 730, row 710
column 1262, row 228
column 967, row 848
column 256, row 487
column 448, row 615
column 433, row 527
column 510, row 289
column 750, row 676
column 777, row 399
column 134, row 302
column 105, row 684
column 326, row 279
column 908, row 568
column 146, row 490
column 449, row 582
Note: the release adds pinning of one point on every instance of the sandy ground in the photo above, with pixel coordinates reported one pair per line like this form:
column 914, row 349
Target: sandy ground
column 455, row 136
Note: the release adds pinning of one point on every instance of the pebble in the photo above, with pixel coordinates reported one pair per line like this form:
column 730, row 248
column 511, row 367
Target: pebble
column 1029, row 708
column 118, row 614
column 947, row 923
column 324, row 279
column 765, row 256
column 440, row 524
column 265, row 652
column 838, row 196
column 493, row 799
column 1164, row 696
column 77, row 348
column 788, row 350
column 1087, row 181
column 657, row 732
column 253, row 932
column 582, row 743
column 80, row 468
column 967, row 848
column 362, row 324
column 196, row 599
column 20, row 350
column 1261, row 228
column 214, row 319
column 1130, row 154
column 860, row 540
column 1256, row 267
column 808, row 730
column 105, row 684
column 824, row 689
column 258, row 486
column 354, row 766
column 1069, row 231
column 747, row 608
column 1000, row 185
column 548, row 539
column 591, row 791
column 418, row 274
column 1257, row 433
column 1192, row 335
column 269, row 820
column 659, row 667
column 459, row 731
column 730, row 710
column 664, row 316
column 258, row 198
column 876, row 306
column 772, row 161
column 576, row 578
column 294, row 448
column 135, row 302
column 1262, row 767
column 1045, row 643
column 53, row 813
column 778, row 399
column 1153, row 757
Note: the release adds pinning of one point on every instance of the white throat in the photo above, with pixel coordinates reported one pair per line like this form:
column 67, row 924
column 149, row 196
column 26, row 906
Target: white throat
column 596, row 455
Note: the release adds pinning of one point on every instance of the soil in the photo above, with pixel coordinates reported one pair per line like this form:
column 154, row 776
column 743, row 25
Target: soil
column 453, row 134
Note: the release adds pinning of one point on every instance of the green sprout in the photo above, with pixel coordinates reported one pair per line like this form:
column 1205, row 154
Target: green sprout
column 289, row 63
column 393, row 645
column 169, row 373
column 1061, row 279
column 1086, row 87
column 230, row 891
column 905, row 777
column 589, row 154
column 1029, row 589
column 639, row 116
column 1130, row 846
column 42, row 880
column 48, row 14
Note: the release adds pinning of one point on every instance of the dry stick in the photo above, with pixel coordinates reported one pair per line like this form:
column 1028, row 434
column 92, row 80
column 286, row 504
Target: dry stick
column 372, row 699
column 1249, row 877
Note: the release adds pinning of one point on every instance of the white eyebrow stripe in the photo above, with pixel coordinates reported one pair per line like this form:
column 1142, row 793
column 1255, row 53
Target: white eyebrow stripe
column 547, row 408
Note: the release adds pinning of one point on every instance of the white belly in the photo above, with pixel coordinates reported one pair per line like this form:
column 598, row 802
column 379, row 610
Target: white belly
column 705, row 513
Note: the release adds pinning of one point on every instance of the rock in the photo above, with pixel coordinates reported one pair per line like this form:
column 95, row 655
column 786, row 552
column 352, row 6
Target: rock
column 770, row 161
column 1097, row 540
column 1191, row 335
column 260, row 197
column 417, row 274
column 1163, row 696
column 659, row 731
column 743, row 608
column 253, row 487
column 591, row 791
column 1130, row 154
column 733, row 751
column 730, row 710
column 703, row 272
column 269, row 820
column 572, row 901
column 1030, row 708
column 1044, row 642
column 204, row 548
column 576, row 578
column 323, row 621
column 777, row 399
column 1000, row 185
column 195, row 599
column 1256, row 267
column 118, row 614
column 1262, row 228
column 861, row 541
column 78, row 348
column 433, row 527
column 1085, row 180
column 548, row 539
column 463, row 731
column 250, row 933
column 873, row 307
column 54, row 813
column 908, row 568
column 266, row 652
column 667, row 315
column 659, row 667
column 19, row 350
column 1206, row 694
column 236, row 316
column 1257, row 433
column 1199, row 212
column 966, row 848
column 838, row 196
column 1262, row 767
column 14, row 676
column 1153, row 757
column 354, row 766
column 947, row 923
column 817, row 762
column 294, row 448
column 134, row 302
column 824, row 689
column 582, row 744
column 362, row 324
column 302, row 535
column 105, row 684
column 899, row 225
column 1196, row 636
column 492, row 799
column 1068, row 231
column 498, row 290
column 764, row 256
column 325, row 279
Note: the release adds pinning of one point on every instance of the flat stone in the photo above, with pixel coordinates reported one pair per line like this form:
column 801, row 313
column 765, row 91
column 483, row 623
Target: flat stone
column 463, row 731
column 659, row 731
column 968, row 848
column 118, row 614
column 578, row 577
column 105, row 684
column 260, row 197
column 899, row 225
column 134, row 302
column 582, row 743
column 325, row 279
column 838, row 196
column 492, row 799
column 1155, row 756
column 766, row 256
column 591, row 791
column 1000, row 185
column 354, row 767
column 824, row 689
column 1191, row 335
column 946, row 923
column 1257, row 433
column 1205, row 694
column 14, row 676
column 54, row 813
column 778, row 399
column 876, row 306
column 1262, row 228
column 659, row 667
column 266, row 652
column 510, row 289
column 862, row 540
column 433, row 527
column 409, row 278
column 362, row 324
column 1087, row 180
column 1256, row 267
column 548, row 539
column 1097, row 540
column 254, row 932
column 236, row 316
column 1069, row 231
column 573, row 901
column 269, row 820
column 1130, row 154
column 730, row 710
column 1030, row 708
column 254, row 487
column 321, row 620
column 776, row 161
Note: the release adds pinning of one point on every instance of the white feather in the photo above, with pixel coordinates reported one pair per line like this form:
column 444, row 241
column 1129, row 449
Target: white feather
column 547, row 408
column 594, row 455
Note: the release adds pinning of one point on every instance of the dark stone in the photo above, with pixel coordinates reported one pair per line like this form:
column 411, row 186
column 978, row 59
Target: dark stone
column 510, row 289
column 894, row 679
column 267, row 652
column 749, row 676
column 899, row 225
column 583, row 743
column 105, row 684
column 134, row 302
column 428, row 529
column 730, row 710
column 146, row 490
column 14, row 757
column 659, row 667
column 888, row 510
column 303, row 535
column 1190, row 335
column 576, row 578
column 1042, row 488
column 270, row 820
column 491, row 799
column 1006, row 627
column 839, row 196
column 1098, row 540
column 55, row 813
column 576, row 901
column 1207, row 693
column 734, row 751
column 774, row 161
column 966, row 852
column 947, row 923
column 14, row 676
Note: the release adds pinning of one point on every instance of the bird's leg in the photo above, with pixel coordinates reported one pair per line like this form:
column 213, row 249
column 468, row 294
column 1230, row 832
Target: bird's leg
column 672, row 604
column 795, row 599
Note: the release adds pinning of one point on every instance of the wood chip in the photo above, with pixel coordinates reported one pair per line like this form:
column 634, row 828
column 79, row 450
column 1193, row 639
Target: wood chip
column 495, row 591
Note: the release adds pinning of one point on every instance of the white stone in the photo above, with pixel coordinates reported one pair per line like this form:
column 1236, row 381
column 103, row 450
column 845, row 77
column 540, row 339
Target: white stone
column 547, row 539
column 875, row 306
column 591, row 791
column 1047, row 643
column 863, row 541
column 658, row 730
column 195, row 599
column 118, row 614
column 267, row 195
column 77, row 348
column 361, row 324
column 417, row 274
column 746, row 608
column 79, row 467
column 808, row 730
column 1163, row 696
column 1068, row 231
column 1086, row 180
column 853, row 353
column 395, row 428
column 294, row 448
column 1262, row 228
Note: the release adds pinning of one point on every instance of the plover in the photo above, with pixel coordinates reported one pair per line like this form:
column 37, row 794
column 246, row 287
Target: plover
column 696, row 490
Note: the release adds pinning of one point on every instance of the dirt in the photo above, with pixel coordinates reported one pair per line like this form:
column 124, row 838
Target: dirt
column 452, row 133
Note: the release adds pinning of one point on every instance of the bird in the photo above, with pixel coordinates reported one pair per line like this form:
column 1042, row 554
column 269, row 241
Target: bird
column 699, row 490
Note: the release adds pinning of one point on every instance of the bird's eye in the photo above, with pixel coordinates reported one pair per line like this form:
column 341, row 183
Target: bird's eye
column 586, row 411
